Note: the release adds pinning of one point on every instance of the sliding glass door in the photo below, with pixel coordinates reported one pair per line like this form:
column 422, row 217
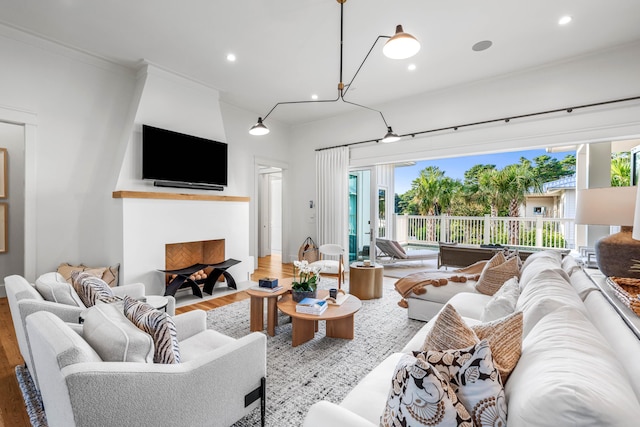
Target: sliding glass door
column 363, row 214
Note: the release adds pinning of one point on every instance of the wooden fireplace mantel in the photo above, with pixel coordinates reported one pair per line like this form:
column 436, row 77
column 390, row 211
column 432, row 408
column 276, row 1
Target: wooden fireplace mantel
column 176, row 196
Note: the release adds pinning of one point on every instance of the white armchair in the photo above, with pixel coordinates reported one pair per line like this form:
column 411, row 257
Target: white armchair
column 24, row 299
column 219, row 380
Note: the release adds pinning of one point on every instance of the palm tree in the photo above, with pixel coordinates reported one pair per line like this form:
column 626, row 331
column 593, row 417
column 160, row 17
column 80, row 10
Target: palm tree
column 507, row 189
column 432, row 194
column 621, row 169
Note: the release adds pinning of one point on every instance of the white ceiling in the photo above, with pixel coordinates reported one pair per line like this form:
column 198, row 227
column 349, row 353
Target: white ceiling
column 289, row 49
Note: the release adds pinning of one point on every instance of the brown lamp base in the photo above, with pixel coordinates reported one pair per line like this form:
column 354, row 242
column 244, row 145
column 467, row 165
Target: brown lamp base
column 619, row 254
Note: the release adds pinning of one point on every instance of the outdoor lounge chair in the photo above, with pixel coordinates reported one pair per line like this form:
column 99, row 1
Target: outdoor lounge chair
column 391, row 251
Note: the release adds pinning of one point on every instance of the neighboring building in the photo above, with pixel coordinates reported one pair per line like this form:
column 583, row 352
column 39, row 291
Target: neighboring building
column 557, row 199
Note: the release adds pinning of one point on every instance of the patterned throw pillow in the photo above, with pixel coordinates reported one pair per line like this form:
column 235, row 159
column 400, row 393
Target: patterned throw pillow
column 505, row 339
column 159, row 325
column 90, row 288
column 449, row 331
column 420, row 395
column 474, row 379
column 494, row 276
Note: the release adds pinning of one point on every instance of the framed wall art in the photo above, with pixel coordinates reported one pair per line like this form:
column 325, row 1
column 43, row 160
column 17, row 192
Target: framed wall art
column 3, row 173
column 4, row 228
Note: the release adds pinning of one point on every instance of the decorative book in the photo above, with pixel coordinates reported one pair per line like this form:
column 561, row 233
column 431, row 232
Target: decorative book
column 268, row 290
column 312, row 306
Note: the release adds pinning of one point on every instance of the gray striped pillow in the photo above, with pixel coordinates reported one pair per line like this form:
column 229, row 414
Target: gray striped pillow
column 159, row 325
column 90, row 288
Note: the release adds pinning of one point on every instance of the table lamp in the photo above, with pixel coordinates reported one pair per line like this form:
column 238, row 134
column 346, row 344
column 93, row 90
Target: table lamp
column 617, row 254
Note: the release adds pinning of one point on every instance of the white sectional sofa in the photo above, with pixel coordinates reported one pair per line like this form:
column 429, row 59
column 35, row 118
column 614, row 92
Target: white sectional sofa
column 578, row 365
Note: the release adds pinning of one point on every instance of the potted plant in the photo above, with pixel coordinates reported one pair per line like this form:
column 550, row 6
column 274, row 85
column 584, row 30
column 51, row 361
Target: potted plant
column 305, row 283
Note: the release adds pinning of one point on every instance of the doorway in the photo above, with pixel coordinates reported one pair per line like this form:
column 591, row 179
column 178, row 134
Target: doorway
column 270, row 200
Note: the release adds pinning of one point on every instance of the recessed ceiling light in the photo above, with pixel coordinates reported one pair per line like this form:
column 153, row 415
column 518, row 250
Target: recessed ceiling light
column 411, row 67
column 314, row 96
column 483, row 45
column 565, row 20
column 231, row 57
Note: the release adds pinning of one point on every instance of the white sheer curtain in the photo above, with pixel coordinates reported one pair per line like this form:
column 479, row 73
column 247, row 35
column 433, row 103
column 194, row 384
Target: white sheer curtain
column 332, row 185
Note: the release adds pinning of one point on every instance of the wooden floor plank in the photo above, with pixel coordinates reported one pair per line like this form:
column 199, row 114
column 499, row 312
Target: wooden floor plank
column 12, row 410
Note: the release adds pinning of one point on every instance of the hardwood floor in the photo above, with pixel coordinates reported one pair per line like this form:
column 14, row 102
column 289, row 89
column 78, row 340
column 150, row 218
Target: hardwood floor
column 12, row 409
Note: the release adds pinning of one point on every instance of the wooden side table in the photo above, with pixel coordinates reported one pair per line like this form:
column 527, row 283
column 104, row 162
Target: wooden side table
column 365, row 282
column 256, row 312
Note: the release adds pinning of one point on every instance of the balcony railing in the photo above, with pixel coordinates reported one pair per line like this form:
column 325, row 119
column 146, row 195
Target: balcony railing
column 522, row 231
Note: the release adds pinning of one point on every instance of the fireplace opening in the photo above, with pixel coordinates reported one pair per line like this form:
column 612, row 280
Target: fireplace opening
column 191, row 264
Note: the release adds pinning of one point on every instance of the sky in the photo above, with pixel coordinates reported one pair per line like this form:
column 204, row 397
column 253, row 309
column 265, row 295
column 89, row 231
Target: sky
column 456, row 167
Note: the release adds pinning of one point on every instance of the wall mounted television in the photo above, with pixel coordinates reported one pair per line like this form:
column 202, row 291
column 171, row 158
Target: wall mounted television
column 178, row 160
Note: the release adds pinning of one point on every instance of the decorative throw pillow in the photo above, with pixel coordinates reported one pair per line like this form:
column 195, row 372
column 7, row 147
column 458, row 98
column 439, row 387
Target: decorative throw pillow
column 159, row 325
column 114, row 337
column 475, row 380
column 505, row 339
column 67, row 270
column 90, row 288
column 420, row 396
column 493, row 276
column 110, row 275
column 449, row 331
column 503, row 302
column 56, row 291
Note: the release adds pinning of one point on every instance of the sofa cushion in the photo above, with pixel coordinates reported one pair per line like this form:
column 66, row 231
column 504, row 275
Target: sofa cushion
column 54, row 288
column 159, row 325
column 202, row 343
column 539, row 261
column 568, row 376
column 547, row 291
column 582, row 284
column 90, row 288
column 494, row 276
column 421, row 396
column 442, row 294
column 505, row 339
column 570, row 265
column 114, row 337
column 449, row 331
column 503, row 302
column 474, row 379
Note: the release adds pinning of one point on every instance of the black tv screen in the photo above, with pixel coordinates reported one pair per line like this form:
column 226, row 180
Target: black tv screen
column 180, row 158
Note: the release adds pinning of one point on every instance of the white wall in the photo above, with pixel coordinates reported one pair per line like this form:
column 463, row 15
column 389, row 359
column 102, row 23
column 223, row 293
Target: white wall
column 589, row 79
column 80, row 103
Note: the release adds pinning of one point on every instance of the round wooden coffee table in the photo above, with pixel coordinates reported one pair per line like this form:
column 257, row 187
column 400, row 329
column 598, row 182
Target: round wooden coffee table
column 256, row 314
column 338, row 318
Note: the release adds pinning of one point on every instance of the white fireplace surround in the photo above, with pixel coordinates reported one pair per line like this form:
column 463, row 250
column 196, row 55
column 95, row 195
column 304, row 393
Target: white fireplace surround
column 149, row 224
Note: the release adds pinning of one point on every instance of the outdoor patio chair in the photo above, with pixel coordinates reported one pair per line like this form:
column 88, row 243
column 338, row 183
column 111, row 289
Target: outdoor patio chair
column 391, row 251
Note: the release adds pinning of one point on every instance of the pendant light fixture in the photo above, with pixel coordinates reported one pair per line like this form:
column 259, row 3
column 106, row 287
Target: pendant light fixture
column 400, row 46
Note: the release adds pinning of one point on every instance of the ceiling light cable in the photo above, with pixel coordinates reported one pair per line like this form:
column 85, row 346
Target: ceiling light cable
column 399, row 46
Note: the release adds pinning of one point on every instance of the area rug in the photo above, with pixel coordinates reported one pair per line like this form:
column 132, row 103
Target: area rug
column 31, row 397
column 323, row 368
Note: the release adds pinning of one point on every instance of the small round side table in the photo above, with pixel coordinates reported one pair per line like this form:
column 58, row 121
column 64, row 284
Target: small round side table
column 365, row 282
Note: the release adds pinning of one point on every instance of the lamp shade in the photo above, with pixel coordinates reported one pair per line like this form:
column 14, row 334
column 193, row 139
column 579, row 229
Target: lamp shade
column 606, row 206
column 390, row 136
column 401, row 46
column 259, row 128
